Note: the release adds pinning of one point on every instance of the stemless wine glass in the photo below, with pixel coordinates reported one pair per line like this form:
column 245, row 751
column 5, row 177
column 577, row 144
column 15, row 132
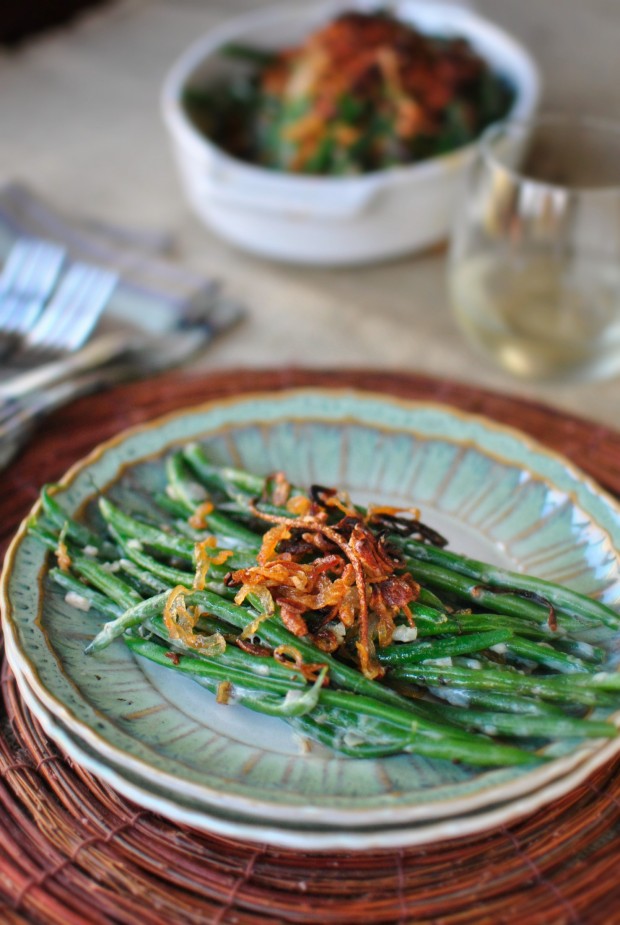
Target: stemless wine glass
column 534, row 267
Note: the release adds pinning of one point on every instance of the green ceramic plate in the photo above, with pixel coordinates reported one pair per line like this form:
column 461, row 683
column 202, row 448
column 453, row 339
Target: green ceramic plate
column 182, row 809
column 491, row 490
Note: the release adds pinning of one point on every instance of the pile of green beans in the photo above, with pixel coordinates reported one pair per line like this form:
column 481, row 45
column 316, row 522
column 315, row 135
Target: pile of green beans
column 359, row 131
column 489, row 679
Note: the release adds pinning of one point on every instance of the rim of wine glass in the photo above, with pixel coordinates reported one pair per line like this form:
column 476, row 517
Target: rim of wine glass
column 594, row 123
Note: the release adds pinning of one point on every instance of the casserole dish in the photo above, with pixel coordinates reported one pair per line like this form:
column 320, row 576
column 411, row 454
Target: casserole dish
column 329, row 220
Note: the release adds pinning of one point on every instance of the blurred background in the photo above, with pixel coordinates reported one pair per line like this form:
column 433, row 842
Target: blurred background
column 82, row 126
column 21, row 20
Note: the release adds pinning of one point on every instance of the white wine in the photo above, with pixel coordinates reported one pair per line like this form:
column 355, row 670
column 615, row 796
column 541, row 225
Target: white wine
column 540, row 316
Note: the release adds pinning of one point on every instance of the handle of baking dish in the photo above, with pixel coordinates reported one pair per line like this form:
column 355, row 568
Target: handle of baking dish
column 290, row 197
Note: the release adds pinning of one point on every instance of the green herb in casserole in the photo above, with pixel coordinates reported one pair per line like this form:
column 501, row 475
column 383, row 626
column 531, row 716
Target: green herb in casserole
column 365, row 92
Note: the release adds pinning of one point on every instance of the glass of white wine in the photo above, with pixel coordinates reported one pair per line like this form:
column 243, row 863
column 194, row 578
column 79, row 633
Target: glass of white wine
column 534, row 265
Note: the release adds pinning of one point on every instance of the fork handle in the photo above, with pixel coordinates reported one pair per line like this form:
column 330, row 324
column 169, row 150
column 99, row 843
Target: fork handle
column 96, row 353
column 21, row 419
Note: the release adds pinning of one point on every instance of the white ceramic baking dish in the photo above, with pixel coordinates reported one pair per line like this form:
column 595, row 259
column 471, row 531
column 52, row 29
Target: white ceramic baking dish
column 329, row 220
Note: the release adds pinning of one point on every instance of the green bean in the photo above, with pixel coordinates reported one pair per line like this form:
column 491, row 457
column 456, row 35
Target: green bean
column 261, row 665
column 424, row 742
column 574, row 683
column 75, row 531
column 50, row 540
column 146, row 533
column 428, row 598
column 432, row 621
column 499, row 680
column 167, row 573
column 257, row 56
column 146, row 580
column 511, row 604
column 464, row 698
column 527, row 726
column 105, row 581
column 170, row 506
column 480, row 753
column 475, row 750
column 491, row 700
column 228, row 530
column 181, row 488
column 565, row 600
column 133, row 616
column 100, row 602
column 545, row 655
column 388, row 741
column 214, row 667
column 190, row 494
column 457, row 623
column 224, row 479
column 581, row 649
column 408, row 653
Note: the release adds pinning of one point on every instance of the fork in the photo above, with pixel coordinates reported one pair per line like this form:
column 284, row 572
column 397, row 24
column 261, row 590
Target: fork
column 69, row 317
column 28, row 277
column 105, row 361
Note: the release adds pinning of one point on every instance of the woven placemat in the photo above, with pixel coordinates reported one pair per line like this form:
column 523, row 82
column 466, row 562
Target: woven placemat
column 73, row 851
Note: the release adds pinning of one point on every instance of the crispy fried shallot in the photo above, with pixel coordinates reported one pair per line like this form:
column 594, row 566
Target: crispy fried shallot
column 224, row 692
column 316, row 573
column 290, row 657
column 280, row 488
column 180, row 621
column 62, row 556
column 253, row 648
column 198, row 520
column 203, row 553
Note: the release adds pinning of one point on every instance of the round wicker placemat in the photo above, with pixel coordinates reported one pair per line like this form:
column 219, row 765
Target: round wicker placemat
column 73, row 851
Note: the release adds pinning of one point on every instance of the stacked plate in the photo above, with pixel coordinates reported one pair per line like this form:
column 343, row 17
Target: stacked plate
column 163, row 741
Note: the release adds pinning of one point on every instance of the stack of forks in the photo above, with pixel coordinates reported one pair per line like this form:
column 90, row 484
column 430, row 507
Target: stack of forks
column 49, row 308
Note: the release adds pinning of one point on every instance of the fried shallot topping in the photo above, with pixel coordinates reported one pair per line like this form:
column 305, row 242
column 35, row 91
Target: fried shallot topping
column 291, row 658
column 198, row 520
column 181, row 621
column 336, row 583
column 206, row 556
column 62, row 556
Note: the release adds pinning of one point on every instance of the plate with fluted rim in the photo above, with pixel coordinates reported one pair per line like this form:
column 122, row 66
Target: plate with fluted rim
column 292, row 835
column 494, row 492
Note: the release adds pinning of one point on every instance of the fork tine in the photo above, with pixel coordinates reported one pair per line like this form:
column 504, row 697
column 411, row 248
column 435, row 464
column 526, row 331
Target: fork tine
column 57, row 307
column 18, row 258
column 73, row 312
column 85, row 311
column 15, row 276
column 29, row 275
column 45, row 271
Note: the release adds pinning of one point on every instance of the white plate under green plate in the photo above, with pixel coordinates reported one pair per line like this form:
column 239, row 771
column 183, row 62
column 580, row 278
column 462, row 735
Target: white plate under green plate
column 496, row 494
column 182, row 809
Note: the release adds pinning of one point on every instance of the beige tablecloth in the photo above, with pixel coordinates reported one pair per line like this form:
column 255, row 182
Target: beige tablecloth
column 80, row 122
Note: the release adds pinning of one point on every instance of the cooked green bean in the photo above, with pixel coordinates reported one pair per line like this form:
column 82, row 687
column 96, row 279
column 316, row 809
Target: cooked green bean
column 502, row 681
column 410, row 653
column 422, row 739
column 568, row 602
column 100, row 603
column 455, row 682
column 147, row 534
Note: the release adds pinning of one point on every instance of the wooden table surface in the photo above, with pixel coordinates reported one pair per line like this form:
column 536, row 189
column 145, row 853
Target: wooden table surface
column 80, row 122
